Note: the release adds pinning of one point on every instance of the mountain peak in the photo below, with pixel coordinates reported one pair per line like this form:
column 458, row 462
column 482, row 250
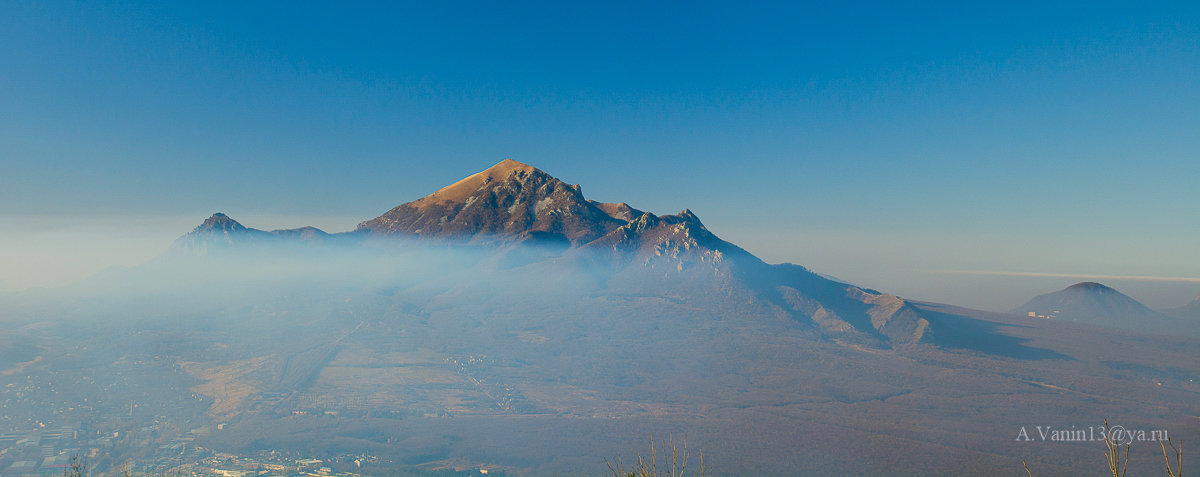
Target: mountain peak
column 688, row 216
column 217, row 231
column 463, row 189
column 1090, row 287
column 508, row 165
column 220, row 222
column 506, row 202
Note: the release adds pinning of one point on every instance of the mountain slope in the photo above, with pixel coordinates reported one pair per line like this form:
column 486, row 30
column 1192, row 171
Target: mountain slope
column 620, row 211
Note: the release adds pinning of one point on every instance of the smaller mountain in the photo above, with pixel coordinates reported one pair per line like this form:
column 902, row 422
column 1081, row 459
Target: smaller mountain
column 220, row 231
column 1096, row 304
column 1190, row 311
column 220, row 223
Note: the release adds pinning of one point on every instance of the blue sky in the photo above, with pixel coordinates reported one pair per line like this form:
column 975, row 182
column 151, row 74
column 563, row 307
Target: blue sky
column 882, row 143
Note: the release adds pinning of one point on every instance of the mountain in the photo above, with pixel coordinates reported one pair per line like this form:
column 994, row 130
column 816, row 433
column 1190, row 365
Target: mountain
column 529, row 220
column 1093, row 303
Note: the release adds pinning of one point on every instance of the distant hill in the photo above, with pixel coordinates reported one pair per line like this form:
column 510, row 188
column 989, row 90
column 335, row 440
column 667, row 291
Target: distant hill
column 220, row 231
column 1097, row 304
column 1190, row 311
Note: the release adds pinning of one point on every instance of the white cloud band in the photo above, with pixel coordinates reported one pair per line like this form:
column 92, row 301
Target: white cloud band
column 1086, row 276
